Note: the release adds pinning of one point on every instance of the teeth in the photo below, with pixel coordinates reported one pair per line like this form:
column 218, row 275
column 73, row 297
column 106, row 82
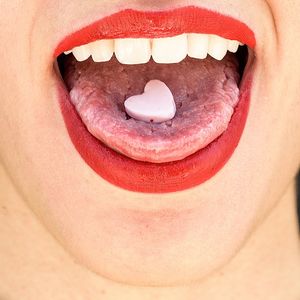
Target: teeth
column 133, row 51
column 170, row 50
column 81, row 53
column 163, row 50
column 217, row 47
column 233, row 46
column 102, row 50
column 198, row 45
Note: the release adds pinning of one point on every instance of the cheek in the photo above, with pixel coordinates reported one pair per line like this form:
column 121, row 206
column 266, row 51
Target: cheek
column 294, row 131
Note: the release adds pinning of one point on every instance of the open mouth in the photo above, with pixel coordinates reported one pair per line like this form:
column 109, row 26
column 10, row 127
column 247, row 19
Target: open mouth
column 206, row 65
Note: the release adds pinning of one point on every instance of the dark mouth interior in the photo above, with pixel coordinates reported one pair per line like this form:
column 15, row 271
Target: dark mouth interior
column 104, row 81
column 243, row 57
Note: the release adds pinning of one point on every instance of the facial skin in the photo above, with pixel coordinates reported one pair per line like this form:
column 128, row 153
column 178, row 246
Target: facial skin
column 140, row 239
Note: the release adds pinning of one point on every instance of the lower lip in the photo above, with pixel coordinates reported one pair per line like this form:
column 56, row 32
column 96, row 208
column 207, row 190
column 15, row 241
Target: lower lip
column 138, row 176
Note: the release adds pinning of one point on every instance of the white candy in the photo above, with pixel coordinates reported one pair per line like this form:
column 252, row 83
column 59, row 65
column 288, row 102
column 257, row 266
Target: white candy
column 155, row 105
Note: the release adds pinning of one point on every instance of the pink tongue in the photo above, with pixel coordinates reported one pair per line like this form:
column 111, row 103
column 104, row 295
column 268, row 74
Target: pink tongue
column 205, row 92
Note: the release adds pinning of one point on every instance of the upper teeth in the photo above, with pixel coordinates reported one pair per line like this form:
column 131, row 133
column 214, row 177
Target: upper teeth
column 163, row 50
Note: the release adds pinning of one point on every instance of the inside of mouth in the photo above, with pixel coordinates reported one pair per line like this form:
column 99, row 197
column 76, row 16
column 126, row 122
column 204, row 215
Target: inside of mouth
column 206, row 92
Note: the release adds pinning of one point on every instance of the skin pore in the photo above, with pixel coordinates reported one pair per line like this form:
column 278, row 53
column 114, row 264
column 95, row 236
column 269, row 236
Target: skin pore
column 68, row 234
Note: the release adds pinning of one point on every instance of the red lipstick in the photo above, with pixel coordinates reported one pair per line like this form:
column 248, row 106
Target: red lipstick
column 138, row 24
column 147, row 177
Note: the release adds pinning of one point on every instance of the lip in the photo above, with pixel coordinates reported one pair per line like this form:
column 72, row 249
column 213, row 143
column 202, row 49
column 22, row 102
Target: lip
column 138, row 176
column 138, row 24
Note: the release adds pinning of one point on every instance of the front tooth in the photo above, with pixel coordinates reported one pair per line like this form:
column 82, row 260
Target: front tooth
column 102, row 50
column 81, row 53
column 133, row 51
column 170, row 50
column 233, row 46
column 198, row 45
column 217, row 47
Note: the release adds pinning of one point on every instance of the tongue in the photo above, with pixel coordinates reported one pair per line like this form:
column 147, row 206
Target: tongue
column 205, row 93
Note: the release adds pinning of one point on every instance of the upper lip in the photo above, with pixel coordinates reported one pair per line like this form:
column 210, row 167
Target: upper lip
column 135, row 23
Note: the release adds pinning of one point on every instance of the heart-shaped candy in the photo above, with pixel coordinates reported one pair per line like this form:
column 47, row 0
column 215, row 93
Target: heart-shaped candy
column 155, row 105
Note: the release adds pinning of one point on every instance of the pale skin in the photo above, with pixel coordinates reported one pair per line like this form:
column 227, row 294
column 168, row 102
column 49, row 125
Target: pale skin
column 68, row 234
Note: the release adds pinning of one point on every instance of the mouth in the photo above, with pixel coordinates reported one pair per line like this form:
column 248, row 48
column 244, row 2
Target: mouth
column 204, row 58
